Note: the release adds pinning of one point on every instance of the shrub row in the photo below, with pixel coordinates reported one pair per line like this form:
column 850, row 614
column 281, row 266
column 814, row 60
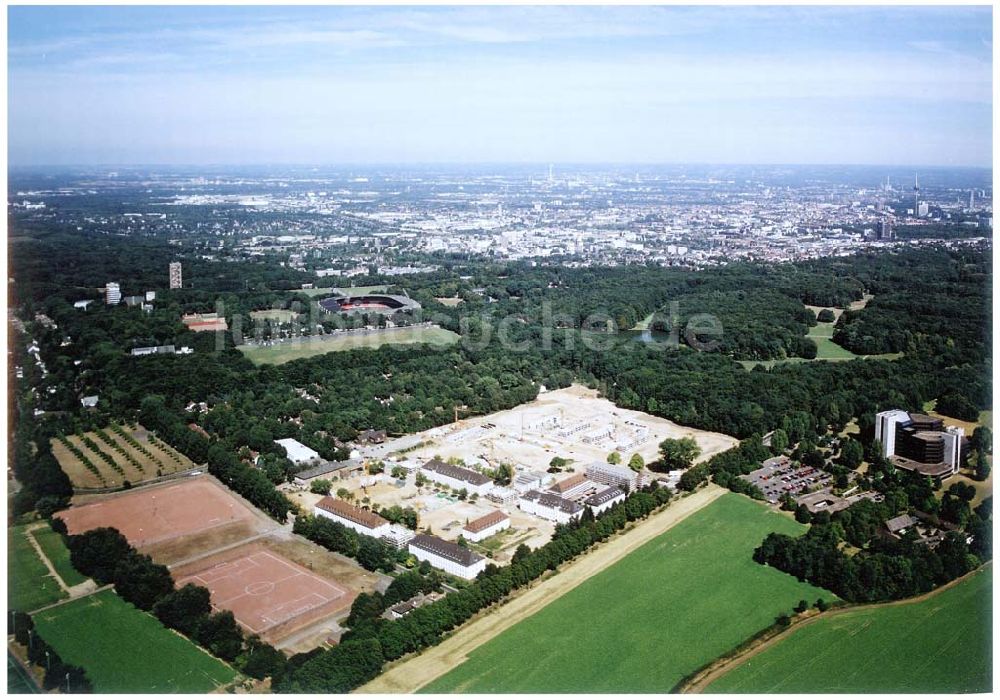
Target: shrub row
column 105, row 555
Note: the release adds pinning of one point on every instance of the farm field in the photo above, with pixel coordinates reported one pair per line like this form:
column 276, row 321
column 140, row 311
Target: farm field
column 640, row 625
column 122, row 453
column 29, row 584
column 941, row 644
column 279, row 353
column 58, row 555
column 125, row 650
column 349, row 291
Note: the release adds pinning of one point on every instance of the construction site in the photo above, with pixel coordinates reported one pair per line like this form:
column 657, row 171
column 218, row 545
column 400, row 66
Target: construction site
column 572, row 423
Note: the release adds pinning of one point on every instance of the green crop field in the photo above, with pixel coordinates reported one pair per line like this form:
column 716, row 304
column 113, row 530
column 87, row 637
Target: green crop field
column 29, row 584
column 939, row 645
column 124, row 650
column 58, row 555
column 286, row 352
column 642, row 625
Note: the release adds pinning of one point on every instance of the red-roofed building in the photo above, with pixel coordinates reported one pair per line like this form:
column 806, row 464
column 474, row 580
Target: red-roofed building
column 490, row 524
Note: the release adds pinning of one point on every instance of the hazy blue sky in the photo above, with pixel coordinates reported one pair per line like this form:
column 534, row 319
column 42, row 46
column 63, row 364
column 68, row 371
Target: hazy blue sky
column 887, row 85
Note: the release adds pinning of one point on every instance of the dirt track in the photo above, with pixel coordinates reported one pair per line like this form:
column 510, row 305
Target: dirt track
column 726, row 664
column 416, row 672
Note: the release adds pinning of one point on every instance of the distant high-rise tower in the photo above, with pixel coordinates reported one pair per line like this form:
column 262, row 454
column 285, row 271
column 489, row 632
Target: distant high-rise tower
column 550, row 172
column 175, row 276
column 112, row 294
column 883, row 231
column 972, row 199
column 916, row 194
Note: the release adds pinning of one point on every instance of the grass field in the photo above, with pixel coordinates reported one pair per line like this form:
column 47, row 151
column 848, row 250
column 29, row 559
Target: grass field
column 286, row 352
column 941, row 644
column 125, row 650
column 349, row 291
column 279, row 315
column 58, row 555
column 29, row 584
column 826, row 349
column 640, row 626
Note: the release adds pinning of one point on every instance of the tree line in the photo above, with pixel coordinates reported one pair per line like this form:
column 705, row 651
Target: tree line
column 372, row 640
column 106, row 556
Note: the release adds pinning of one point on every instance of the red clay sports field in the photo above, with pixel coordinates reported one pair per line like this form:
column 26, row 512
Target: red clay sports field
column 152, row 515
column 267, row 594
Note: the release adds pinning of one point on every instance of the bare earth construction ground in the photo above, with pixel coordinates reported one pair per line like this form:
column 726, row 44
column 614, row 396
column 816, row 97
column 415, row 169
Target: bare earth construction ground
column 572, row 423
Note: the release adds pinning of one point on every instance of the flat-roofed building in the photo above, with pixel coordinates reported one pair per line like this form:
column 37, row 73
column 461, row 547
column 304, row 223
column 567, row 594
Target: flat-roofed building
column 362, row 521
column 503, row 496
column 154, row 350
column 297, row 452
column 613, row 475
column 398, row 535
column 549, row 506
column 326, row 470
column 602, row 500
column 447, row 556
column 920, row 443
column 456, row 477
column 526, row 481
column 486, row 526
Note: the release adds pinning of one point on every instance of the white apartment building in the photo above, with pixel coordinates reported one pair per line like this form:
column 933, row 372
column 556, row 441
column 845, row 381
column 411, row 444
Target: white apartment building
column 361, row 521
column 447, row 556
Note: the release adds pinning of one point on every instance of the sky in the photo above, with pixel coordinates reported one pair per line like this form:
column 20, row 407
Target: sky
column 518, row 84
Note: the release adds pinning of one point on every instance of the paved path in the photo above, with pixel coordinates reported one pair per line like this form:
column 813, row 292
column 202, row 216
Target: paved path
column 415, row 672
column 41, row 555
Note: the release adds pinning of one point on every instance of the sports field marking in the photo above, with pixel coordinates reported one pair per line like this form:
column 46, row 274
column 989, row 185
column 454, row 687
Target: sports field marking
column 263, row 590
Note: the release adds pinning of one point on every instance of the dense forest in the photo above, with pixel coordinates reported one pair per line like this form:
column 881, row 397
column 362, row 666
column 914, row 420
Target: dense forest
column 938, row 318
column 559, row 326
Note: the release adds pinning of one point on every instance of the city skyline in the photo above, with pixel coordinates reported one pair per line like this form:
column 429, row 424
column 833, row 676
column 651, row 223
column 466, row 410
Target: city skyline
column 907, row 87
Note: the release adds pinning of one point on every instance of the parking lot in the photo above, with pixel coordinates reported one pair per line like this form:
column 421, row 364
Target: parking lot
column 780, row 476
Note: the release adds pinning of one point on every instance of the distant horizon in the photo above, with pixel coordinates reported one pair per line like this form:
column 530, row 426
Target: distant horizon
column 191, row 85
column 472, row 164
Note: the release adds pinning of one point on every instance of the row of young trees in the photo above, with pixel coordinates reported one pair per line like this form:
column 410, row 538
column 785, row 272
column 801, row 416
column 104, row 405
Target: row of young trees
column 363, row 650
column 106, row 556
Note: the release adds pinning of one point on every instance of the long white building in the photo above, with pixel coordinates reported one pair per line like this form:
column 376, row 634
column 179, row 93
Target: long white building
column 549, row 506
column 447, row 556
column 456, row 477
column 361, row 521
column 602, row 500
column 613, row 475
